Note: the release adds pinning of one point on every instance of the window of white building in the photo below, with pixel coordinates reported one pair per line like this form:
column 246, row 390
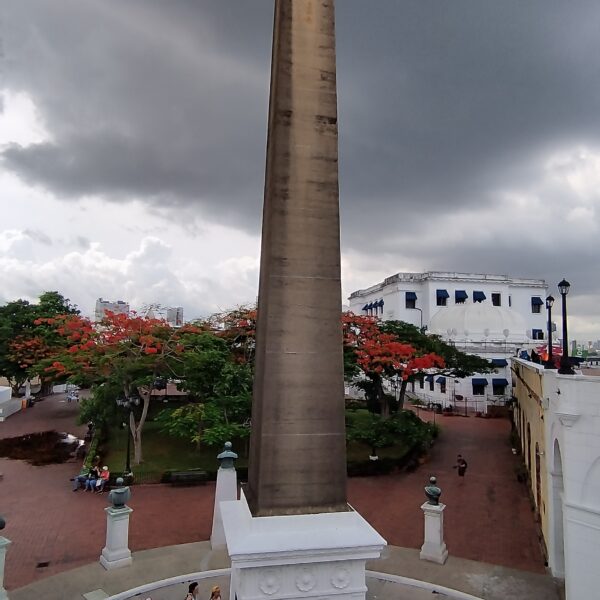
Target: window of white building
column 429, row 378
column 411, row 300
column 442, row 381
column 442, row 297
column 496, row 299
column 536, row 304
column 460, row 296
column 499, row 386
column 479, row 385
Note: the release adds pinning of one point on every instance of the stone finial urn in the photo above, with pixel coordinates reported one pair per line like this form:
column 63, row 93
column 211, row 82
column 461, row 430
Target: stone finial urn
column 120, row 495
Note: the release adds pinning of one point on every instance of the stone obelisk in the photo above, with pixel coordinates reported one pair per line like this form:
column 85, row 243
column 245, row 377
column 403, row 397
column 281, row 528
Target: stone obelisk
column 291, row 535
column 297, row 451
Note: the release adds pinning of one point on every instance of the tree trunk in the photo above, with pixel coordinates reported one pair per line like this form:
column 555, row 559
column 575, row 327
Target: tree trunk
column 136, row 430
column 402, row 395
column 381, row 397
column 46, row 387
column 136, row 437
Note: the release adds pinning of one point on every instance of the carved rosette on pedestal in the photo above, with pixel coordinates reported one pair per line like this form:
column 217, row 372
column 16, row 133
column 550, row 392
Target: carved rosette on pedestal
column 340, row 579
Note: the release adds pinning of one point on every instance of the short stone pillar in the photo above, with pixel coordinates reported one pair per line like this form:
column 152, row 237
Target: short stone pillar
column 226, row 490
column 434, row 547
column 4, row 543
column 116, row 553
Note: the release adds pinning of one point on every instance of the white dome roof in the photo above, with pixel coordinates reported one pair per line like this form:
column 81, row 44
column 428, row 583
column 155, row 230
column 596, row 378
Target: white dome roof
column 478, row 322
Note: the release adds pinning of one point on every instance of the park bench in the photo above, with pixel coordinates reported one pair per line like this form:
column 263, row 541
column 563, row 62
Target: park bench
column 191, row 477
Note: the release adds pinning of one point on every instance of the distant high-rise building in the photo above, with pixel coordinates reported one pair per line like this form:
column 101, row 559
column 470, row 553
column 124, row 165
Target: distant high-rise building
column 104, row 306
column 175, row 316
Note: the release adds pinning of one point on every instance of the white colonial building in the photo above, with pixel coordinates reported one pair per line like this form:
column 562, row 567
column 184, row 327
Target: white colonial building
column 493, row 316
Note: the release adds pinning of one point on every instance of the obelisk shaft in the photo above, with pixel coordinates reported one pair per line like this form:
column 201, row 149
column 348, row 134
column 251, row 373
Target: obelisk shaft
column 297, row 449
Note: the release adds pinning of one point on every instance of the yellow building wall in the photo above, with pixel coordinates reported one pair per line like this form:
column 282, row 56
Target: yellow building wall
column 530, row 426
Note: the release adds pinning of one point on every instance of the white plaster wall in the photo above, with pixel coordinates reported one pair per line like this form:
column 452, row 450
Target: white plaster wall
column 5, row 394
column 572, row 423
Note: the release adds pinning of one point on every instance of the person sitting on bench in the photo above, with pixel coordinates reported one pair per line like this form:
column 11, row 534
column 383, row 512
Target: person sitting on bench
column 81, row 479
column 102, row 481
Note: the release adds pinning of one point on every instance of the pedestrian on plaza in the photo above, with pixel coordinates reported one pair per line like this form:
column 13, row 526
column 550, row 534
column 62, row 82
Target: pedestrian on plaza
column 461, row 465
column 81, row 479
column 193, row 591
column 215, row 593
column 90, row 484
column 102, row 480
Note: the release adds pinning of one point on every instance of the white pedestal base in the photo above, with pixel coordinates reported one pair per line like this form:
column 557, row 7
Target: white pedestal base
column 434, row 547
column 116, row 553
column 4, row 543
column 226, row 491
column 9, row 407
column 299, row 556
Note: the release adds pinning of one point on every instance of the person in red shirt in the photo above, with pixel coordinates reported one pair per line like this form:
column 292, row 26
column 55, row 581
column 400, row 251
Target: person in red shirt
column 103, row 479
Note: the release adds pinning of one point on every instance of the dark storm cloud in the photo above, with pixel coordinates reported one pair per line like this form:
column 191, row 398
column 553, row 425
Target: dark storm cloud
column 445, row 108
column 144, row 100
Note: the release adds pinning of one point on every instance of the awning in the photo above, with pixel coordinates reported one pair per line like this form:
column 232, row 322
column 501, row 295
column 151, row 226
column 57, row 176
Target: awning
column 479, row 381
column 369, row 306
column 442, row 294
column 380, row 303
column 500, row 381
column 411, row 296
column 428, row 377
column 536, row 301
column 478, row 296
column 499, row 362
column 460, row 295
column 440, row 380
column 365, row 307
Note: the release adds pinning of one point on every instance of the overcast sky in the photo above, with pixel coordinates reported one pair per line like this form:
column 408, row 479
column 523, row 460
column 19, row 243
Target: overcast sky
column 132, row 143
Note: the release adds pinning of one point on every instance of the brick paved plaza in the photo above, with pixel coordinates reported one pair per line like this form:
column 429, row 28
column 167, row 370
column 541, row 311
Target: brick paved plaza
column 488, row 518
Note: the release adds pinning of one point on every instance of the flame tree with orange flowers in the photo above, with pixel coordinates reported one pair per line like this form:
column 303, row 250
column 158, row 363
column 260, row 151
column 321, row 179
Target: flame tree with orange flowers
column 124, row 356
column 372, row 356
column 24, row 343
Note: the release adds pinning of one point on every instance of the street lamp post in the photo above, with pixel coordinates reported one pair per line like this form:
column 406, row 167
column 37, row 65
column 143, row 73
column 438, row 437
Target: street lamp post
column 565, row 363
column 128, row 403
column 549, row 364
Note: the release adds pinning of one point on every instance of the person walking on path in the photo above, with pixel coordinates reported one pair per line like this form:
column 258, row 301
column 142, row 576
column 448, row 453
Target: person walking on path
column 193, row 591
column 215, row 593
column 461, row 465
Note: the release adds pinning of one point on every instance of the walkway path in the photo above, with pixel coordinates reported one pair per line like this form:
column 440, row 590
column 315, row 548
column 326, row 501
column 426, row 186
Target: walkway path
column 488, row 516
column 478, row 579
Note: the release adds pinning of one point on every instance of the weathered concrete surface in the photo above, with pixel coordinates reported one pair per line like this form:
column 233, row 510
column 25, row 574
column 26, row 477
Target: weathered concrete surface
column 482, row 580
column 297, row 457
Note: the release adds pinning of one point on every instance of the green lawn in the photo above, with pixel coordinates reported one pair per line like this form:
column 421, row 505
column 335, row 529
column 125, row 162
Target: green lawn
column 357, row 451
column 162, row 452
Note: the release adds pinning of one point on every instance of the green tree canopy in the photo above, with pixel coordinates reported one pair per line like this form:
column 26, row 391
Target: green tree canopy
column 23, row 342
